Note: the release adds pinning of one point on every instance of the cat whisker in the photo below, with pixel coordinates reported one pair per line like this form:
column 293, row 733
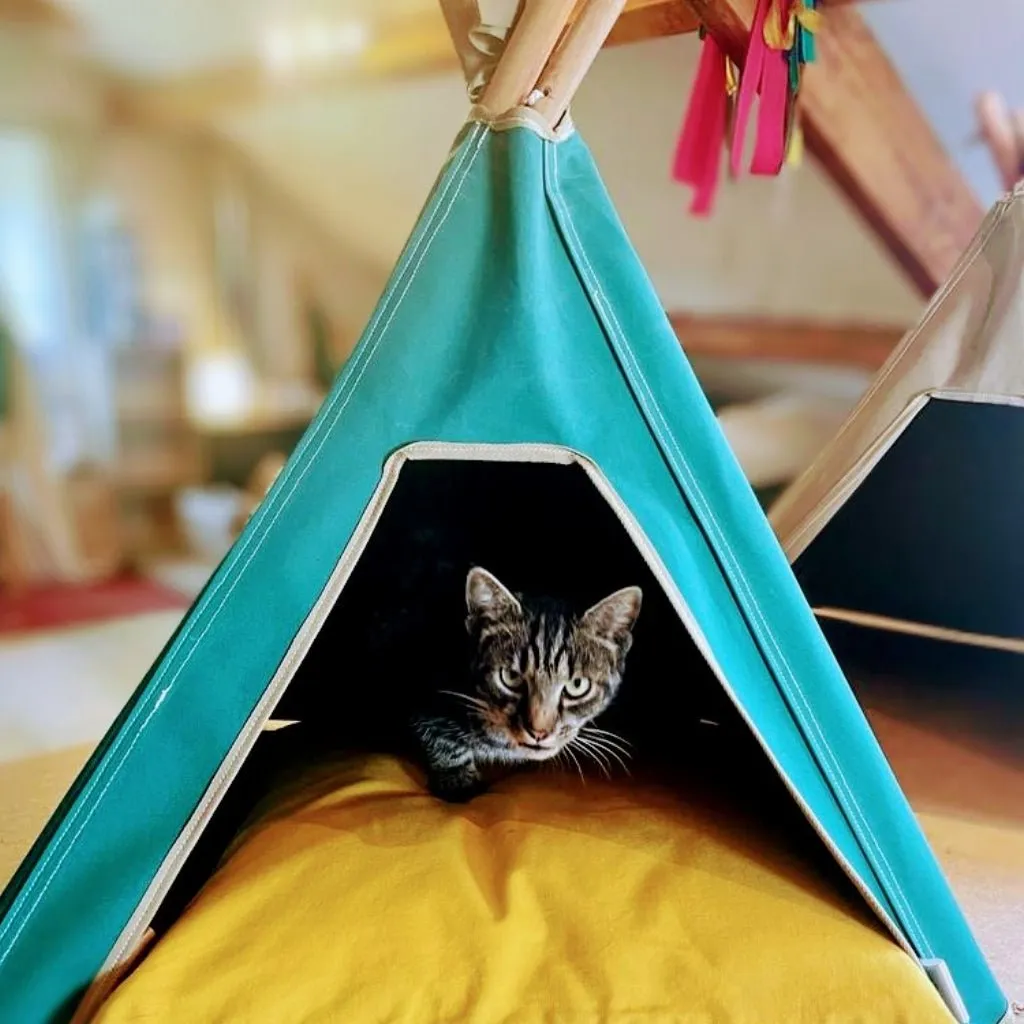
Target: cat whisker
column 473, row 702
column 608, row 738
column 607, row 734
column 605, row 752
column 595, row 755
column 617, row 755
column 575, row 760
column 613, row 752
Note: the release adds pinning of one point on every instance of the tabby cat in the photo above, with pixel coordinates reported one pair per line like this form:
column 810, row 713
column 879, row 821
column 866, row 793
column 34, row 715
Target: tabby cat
column 538, row 676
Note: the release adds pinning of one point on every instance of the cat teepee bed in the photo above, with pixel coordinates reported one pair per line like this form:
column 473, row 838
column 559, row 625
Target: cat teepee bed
column 520, row 388
column 909, row 520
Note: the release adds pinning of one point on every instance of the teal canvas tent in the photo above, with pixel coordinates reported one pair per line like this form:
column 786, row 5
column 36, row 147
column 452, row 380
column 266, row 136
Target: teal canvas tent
column 517, row 328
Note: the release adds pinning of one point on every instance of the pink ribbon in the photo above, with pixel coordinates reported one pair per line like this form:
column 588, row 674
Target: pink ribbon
column 765, row 72
column 698, row 155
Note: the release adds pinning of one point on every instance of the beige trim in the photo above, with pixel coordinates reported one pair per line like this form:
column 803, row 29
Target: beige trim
column 134, row 931
column 922, row 629
column 523, row 117
column 803, row 535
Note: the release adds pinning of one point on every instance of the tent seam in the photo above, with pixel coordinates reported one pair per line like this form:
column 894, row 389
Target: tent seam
column 467, row 160
column 665, row 435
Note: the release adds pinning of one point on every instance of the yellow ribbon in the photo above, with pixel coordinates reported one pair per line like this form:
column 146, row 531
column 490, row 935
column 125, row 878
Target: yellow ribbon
column 795, row 149
column 732, row 79
column 809, row 18
column 775, row 36
column 784, row 12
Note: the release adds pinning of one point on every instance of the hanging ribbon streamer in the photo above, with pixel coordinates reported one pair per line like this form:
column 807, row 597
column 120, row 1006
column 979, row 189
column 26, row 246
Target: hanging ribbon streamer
column 752, row 82
column 698, row 156
column 781, row 43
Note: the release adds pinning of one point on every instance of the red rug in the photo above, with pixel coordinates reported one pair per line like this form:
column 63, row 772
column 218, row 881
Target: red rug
column 55, row 606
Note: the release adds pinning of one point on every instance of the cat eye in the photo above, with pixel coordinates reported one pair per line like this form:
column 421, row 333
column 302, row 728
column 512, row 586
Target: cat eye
column 509, row 679
column 577, row 688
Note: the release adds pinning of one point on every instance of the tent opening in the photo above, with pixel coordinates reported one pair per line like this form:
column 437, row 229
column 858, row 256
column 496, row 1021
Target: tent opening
column 543, row 528
column 928, row 542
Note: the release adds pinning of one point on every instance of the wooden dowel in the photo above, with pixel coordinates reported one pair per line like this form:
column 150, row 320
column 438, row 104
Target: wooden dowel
column 534, row 37
column 573, row 57
column 1002, row 130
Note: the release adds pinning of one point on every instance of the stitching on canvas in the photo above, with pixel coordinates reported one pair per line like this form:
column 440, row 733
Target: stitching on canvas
column 665, row 435
column 237, row 754
column 285, row 672
column 332, row 414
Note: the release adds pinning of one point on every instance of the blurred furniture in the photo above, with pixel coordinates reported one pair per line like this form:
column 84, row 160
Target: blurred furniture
column 261, row 480
column 233, row 453
column 13, row 568
column 55, row 526
column 158, row 450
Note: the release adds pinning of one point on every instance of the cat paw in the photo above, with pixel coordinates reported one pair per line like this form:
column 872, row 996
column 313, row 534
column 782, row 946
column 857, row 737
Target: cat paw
column 456, row 787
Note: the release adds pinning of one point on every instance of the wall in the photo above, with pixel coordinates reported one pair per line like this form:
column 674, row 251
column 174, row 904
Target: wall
column 365, row 159
column 790, row 246
column 166, row 186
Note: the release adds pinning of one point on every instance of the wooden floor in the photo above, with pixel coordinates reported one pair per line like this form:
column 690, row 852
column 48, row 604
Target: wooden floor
column 64, row 687
column 961, row 763
column 958, row 751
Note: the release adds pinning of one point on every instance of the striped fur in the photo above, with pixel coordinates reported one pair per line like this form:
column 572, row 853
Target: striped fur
column 539, row 675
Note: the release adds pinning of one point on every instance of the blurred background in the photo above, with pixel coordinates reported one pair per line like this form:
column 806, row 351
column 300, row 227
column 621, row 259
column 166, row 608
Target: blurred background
column 200, row 203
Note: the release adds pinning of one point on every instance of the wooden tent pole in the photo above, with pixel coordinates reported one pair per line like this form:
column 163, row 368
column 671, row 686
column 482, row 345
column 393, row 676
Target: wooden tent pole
column 572, row 59
column 534, row 37
column 1002, row 130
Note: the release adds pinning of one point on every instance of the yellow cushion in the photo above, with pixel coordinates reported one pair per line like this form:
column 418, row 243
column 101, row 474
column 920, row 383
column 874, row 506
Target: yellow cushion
column 366, row 900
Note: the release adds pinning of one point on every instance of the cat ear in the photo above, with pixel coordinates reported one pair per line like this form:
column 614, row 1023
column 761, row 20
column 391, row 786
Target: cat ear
column 613, row 618
column 486, row 598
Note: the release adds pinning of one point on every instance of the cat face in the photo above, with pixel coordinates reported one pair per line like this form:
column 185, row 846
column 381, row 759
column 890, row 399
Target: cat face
column 541, row 674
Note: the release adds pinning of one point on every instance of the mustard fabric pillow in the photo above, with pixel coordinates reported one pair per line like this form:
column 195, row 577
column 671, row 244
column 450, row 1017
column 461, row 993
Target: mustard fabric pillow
column 364, row 899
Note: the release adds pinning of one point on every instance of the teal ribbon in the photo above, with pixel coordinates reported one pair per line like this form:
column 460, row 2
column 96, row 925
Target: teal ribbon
column 803, row 50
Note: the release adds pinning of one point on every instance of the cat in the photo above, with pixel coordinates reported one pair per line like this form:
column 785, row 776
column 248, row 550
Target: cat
column 537, row 676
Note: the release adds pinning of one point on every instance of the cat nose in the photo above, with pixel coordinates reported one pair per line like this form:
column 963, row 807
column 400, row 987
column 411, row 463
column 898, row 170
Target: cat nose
column 537, row 733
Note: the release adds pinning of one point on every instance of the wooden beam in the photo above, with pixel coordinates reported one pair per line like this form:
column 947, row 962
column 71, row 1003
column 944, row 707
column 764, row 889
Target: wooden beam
column 651, row 20
column 34, row 14
column 409, row 47
column 795, row 341
column 872, row 139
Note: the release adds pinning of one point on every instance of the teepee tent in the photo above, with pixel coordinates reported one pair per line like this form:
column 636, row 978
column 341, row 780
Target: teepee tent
column 517, row 330
column 909, row 520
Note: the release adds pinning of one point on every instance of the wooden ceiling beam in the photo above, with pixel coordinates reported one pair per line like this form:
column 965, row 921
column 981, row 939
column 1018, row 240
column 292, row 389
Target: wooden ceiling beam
column 860, row 346
column 652, row 19
column 869, row 135
column 34, row 14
